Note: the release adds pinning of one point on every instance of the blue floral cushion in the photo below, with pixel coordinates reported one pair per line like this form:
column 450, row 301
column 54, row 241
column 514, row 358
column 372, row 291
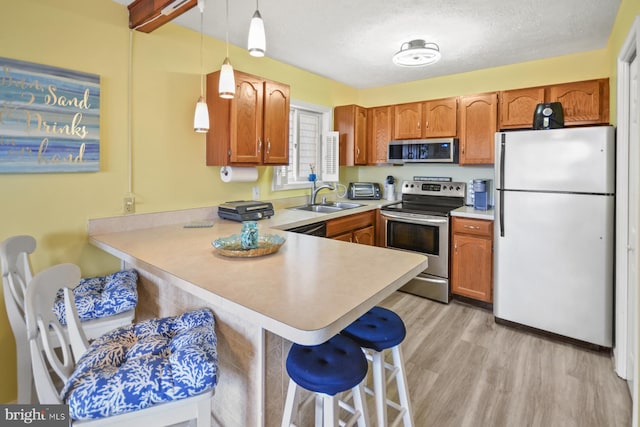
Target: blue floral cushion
column 101, row 296
column 134, row 367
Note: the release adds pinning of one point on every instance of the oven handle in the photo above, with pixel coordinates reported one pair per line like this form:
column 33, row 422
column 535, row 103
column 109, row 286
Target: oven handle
column 431, row 279
column 415, row 219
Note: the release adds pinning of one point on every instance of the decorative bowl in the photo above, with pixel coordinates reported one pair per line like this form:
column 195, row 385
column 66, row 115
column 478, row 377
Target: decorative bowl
column 232, row 246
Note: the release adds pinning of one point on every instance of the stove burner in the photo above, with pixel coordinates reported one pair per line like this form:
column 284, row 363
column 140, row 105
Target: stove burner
column 433, row 198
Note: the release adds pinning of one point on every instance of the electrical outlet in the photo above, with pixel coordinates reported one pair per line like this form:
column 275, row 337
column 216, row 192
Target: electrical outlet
column 256, row 192
column 129, row 205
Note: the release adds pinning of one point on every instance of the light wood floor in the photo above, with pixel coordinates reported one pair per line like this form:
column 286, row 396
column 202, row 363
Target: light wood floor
column 466, row 370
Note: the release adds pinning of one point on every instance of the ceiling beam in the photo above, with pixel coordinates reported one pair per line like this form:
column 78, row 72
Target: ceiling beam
column 147, row 15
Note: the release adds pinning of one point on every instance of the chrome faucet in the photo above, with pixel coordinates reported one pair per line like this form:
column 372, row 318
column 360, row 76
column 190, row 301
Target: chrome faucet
column 316, row 190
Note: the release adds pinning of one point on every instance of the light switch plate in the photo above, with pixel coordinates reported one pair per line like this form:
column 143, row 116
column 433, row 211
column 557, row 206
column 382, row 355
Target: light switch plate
column 256, row 192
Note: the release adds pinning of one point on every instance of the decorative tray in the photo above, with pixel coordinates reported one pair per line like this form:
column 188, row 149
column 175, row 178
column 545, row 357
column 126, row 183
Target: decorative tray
column 232, row 247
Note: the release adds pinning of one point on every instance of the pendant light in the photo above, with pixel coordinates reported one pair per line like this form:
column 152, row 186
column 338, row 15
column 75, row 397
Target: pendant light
column 201, row 116
column 227, row 83
column 257, row 43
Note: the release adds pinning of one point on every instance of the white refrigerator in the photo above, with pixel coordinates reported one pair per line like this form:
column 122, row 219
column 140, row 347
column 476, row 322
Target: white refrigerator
column 554, row 231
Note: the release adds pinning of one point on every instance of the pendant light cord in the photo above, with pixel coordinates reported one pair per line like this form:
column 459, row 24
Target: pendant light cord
column 130, row 114
column 202, row 51
column 227, row 32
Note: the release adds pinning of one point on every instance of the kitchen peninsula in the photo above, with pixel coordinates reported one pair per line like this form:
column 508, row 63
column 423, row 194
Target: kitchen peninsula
column 306, row 292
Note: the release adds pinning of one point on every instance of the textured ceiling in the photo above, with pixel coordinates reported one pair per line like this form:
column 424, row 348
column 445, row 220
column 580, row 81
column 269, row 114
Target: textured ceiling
column 352, row 41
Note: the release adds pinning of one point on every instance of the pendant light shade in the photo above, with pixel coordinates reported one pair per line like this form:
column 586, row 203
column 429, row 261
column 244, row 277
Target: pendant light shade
column 257, row 41
column 417, row 53
column 201, row 116
column 227, row 82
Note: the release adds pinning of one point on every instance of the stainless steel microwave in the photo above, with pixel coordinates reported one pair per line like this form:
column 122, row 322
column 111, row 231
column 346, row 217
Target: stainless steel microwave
column 423, row 151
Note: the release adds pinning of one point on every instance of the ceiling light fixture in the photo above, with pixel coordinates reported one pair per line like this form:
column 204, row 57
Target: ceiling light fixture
column 227, row 82
column 257, row 43
column 201, row 116
column 417, row 53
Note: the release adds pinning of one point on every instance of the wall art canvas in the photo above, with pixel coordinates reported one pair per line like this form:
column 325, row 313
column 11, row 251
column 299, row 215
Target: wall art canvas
column 49, row 119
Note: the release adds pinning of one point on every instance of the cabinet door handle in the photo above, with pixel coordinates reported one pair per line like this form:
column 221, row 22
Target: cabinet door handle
column 473, row 227
column 426, row 124
column 268, row 145
column 259, row 145
column 418, row 125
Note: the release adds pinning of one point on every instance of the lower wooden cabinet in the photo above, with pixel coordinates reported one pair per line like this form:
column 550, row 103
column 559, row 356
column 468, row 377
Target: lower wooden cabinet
column 472, row 258
column 356, row 228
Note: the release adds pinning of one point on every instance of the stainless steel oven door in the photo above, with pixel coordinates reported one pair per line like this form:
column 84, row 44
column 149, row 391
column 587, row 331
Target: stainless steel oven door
column 425, row 234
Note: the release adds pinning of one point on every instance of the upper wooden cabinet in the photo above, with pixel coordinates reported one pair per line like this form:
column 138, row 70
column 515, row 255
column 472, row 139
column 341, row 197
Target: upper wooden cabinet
column 351, row 122
column 478, row 125
column 440, row 118
column 408, row 121
column 379, row 133
column 253, row 127
column 583, row 103
column 430, row 119
column 517, row 107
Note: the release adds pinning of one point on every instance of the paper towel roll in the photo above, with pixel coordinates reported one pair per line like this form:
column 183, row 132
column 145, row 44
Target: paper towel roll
column 237, row 174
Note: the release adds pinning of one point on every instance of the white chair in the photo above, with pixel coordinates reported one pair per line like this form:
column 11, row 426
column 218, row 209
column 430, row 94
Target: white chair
column 128, row 376
column 16, row 274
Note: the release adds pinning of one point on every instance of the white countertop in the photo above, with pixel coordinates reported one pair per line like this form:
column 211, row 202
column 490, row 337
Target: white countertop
column 306, row 292
column 471, row 212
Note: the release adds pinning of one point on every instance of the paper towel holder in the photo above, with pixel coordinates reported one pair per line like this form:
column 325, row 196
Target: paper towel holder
column 238, row 174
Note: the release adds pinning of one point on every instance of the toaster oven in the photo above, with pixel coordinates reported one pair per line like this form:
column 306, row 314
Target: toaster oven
column 364, row 191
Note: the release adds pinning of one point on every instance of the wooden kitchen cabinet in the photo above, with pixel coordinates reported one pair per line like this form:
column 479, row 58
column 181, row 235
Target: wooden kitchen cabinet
column 472, row 258
column 253, row 127
column 351, row 123
column 440, row 118
column 429, row 119
column 517, row 107
column 379, row 133
column 583, row 103
column 478, row 125
column 407, row 121
column 356, row 228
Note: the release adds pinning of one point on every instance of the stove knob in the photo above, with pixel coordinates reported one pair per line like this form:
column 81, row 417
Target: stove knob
column 451, row 188
column 458, row 188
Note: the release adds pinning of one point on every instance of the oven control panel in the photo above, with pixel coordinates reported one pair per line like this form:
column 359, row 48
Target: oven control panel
column 435, row 188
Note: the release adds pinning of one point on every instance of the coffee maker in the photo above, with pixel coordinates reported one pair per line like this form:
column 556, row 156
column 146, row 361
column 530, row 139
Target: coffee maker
column 481, row 194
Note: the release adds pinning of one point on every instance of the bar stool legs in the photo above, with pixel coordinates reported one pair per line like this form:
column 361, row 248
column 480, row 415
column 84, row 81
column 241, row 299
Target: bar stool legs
column 380, row 331
column 383, row 374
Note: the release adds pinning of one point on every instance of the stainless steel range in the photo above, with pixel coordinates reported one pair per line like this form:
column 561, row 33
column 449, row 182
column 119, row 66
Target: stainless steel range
column 420, row 223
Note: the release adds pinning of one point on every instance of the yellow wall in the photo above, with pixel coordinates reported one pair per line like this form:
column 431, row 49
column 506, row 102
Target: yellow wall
column 168, row 157
column 534, row 73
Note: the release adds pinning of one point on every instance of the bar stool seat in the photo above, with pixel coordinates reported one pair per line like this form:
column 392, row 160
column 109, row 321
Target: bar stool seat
column 377, row 331
column 327, row 369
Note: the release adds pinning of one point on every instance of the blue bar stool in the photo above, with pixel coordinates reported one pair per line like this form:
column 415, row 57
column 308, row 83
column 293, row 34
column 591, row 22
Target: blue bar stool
column 327, row 370
column 377, row 331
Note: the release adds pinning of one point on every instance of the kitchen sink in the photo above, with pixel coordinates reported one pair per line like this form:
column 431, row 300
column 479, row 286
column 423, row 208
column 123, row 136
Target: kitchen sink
column 328, row 207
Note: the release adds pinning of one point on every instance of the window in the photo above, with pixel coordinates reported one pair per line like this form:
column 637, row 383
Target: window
column 308, row 126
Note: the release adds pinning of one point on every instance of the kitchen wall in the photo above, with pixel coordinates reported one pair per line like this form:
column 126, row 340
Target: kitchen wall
column 169, row 169
column 168, row 157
